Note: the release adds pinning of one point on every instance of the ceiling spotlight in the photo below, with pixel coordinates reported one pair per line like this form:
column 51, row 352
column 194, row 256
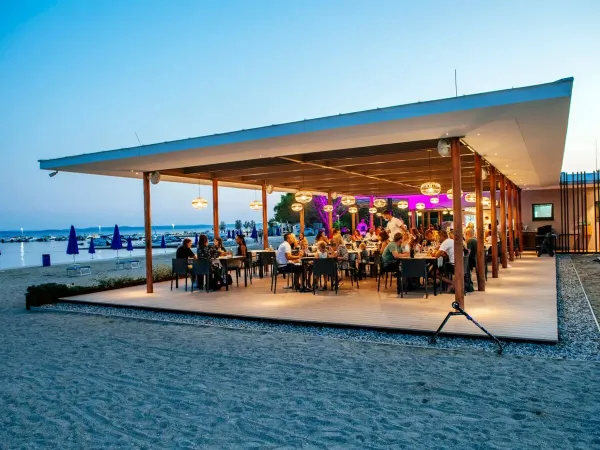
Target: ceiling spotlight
column 53, row 174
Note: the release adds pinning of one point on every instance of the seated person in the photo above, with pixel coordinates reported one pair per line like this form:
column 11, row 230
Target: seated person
column 219, row 245
column 384, row 241
column 322, row 250
column 446, row 250
column 356, row 236
column 284, row 257
column 393, row 251
column 302, row 242
column 185, row 250
column 321, row 237
column 341, row 251
column 206, row 251
column 371, row 236
column 242, row 248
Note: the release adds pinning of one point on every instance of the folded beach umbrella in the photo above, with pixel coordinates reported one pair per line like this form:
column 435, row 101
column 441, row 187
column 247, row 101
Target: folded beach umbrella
column 278, row 233
column 92, row 248
column 254, row 234
column 196, row 240
column 129, row 245
column 116, row 243
column 228, row 234
column 72, row 246
column 163, row 243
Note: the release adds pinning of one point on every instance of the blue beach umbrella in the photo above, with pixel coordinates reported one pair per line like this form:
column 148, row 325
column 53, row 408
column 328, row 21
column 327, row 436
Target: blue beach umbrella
column 92, row 248
column 163, row 243
column 228, row 234
column 278, row 233
column 129, row 245
column 72, row 247
column 196, row 240
column 116, row 243
column 254, row 234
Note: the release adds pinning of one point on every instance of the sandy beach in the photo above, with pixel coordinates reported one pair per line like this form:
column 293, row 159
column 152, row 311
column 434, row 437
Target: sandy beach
column 87, row 381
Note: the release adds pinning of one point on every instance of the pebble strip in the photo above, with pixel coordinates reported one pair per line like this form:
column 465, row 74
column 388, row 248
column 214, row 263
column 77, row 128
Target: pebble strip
column 578, row 335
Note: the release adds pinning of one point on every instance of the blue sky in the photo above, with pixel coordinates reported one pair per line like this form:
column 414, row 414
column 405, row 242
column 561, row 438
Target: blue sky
column 79, row 76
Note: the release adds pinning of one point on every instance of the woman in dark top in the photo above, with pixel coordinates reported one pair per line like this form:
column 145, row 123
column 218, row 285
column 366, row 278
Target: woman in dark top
column 242, row 249
column 219, row 244
column 185, row 250
column 204, row 250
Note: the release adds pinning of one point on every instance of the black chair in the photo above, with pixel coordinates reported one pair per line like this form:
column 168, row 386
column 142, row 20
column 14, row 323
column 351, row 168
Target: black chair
column 325, row 267
column 201, row 268
column 231, row 265
column 375, row 263
column 412, row 268
column 353, row 268
column 179, row 267
column 249, row 265
column 265, row 262
column 390, row 269
column 268, row 261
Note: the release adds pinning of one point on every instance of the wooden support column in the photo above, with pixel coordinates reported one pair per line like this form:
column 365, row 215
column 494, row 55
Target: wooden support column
column 302, row 220
column 439, row 219
column 413, row 219
column 502, row 220
column 215, row 191
column 371, row 215
column 148, row 233
column 330, row 216
column 479, row 233
column 511, row 235
column 459, row 267
column 494, row 218
column 353, row 216
column 265, row 218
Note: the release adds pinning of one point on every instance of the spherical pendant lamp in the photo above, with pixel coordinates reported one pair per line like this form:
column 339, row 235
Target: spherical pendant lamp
column 297, row 207
column 420, row 206
column 255, row 205
column 434, row 200
column 379, row 203
column 348, row 200
column 470, row 197
column 199, row 203
column 372, row 210
column 328, row 208
column 303, row 196
column 402, row 204
column 353, row 210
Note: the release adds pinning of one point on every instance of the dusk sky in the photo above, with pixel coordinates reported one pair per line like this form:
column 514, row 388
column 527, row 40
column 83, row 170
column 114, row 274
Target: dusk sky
column 82, row 76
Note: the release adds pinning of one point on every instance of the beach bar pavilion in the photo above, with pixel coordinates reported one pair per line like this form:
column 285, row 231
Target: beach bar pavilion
column 496, row 142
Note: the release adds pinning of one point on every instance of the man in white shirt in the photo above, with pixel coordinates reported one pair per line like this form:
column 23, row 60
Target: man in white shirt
column 394, row 225
column 447, row 246
column 371, row 236
column 284, row 257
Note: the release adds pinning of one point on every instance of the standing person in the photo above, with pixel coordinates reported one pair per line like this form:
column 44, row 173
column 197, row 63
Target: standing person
column 394, row 225
column 362, row 227
column 284, row 257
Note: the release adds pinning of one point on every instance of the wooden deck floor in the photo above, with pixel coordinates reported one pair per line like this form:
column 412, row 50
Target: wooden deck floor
column 521, row 304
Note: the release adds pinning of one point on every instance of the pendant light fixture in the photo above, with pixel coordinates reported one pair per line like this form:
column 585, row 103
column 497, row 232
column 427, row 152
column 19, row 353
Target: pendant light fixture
column 402, row 204
column 372, row 210
column 485, row 201
column 255, row 205
column 431, row 187
column 470, row 197
column 353, row 210
column 296, row 207
column 420, row 206
column 328, row 208
column 434, row 200
column 450, row 195
column 199, row 202
column 303, row 196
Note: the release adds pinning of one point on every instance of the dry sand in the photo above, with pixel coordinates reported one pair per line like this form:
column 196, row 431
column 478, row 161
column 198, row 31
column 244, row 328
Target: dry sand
column 78, row 381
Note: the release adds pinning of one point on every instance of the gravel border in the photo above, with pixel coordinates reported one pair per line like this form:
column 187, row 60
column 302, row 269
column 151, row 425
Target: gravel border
column 578, row 336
